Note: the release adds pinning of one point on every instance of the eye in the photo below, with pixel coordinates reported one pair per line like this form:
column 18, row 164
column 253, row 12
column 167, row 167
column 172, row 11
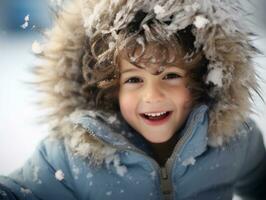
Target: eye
column 172, row 76
column 133, row 80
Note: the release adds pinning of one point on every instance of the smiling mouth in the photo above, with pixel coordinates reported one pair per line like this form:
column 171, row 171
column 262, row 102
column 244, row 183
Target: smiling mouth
column 156, row 117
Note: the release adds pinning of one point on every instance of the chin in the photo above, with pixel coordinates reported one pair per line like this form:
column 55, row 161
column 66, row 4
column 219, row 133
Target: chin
column 157, row 140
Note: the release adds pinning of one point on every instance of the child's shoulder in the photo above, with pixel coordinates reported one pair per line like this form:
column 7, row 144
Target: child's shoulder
column 50, row 145
column 248, row 133
column 247, row 139
column 54, row 150
column 251, row 136
column 246, row 148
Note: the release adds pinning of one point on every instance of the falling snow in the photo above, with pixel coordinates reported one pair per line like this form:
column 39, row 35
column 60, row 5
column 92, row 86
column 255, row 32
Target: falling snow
column 36, row 47
column 59, row 175
column 26, row 22
column 109, row 193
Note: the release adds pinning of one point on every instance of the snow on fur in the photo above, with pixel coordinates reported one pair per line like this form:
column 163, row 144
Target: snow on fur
column 158, row 10
column 200, row 21
column 215, row 76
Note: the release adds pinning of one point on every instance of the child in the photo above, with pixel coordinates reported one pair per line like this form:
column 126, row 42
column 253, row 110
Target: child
column 148, row 100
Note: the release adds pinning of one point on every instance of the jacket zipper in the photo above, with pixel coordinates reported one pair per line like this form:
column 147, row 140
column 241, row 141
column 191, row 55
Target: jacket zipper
column 165, row 171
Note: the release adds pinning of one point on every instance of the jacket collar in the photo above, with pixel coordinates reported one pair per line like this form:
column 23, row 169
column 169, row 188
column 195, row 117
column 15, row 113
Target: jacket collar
column 194, row 135
column 114, row 131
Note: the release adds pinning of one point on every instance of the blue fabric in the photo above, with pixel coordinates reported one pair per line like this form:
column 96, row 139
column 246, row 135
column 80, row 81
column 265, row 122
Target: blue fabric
column 198, row 171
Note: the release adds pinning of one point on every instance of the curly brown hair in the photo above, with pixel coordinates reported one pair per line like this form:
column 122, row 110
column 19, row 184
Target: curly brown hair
column 100, row 61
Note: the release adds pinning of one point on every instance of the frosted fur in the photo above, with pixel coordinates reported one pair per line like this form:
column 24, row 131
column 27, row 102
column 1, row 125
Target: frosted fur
column 226, row 44
column 215, row 76
column 200, row 21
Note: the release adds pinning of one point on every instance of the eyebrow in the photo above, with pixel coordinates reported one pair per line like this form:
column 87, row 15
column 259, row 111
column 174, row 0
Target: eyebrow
column 129, row 70
column 183, row 72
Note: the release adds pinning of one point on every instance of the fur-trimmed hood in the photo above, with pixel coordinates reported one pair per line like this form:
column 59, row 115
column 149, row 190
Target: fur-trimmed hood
column 217, row 27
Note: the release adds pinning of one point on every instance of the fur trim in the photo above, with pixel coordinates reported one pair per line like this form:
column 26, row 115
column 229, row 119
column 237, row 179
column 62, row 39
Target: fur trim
column 226, row 44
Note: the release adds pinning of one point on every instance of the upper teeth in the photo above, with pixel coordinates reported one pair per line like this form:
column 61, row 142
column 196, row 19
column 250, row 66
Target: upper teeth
column 155, row 114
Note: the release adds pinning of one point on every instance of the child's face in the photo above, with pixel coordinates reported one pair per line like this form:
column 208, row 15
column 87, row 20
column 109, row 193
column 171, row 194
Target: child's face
column 143, row 93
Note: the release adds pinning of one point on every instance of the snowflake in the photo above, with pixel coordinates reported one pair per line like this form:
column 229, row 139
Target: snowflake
column 26, row 22
column 189, row 161
column 36, row 47
column 59, row 175
column 27, row 18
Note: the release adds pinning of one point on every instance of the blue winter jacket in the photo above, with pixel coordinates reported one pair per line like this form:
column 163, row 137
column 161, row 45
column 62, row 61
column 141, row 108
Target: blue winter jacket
column 194, row 171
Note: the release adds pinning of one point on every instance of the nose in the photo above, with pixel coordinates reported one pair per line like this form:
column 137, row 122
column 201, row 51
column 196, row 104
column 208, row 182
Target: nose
column 153, row 93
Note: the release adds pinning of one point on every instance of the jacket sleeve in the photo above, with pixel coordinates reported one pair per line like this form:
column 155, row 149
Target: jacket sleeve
column 252, row 182
column 46, row 175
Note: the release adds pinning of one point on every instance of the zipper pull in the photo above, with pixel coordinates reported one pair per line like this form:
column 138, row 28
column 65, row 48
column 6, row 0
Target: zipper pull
column 166, row 186
column 164, row 173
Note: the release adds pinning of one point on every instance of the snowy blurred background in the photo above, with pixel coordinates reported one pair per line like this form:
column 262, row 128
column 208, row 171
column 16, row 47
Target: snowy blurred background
column 21, row 23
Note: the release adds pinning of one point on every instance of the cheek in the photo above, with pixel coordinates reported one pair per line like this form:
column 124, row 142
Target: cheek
column 187, row 99
column 183, row 98
column 126, row 103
